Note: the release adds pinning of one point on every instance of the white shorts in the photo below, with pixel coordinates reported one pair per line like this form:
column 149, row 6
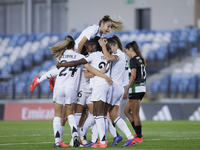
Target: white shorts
column 101, row 92
column 64, row 96
column 117, row 94
column 84, row 97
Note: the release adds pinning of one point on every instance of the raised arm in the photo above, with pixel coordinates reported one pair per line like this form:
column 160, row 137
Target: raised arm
column 81, row 43
column 98, row 73
column 108, row 57
column 72, row 63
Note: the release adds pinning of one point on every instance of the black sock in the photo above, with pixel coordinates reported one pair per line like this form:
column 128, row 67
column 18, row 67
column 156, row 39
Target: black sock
column 133, row 125
column 138, row 130
column 113, row 123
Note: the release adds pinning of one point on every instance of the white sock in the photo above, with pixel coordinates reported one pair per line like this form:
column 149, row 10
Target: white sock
column 106, row 125
column 123, row 127
column 101, row 128
column 94, row 133
column 88, row 122
column 56, row 128
column 61, row 132
column 48, row 75
column 73, row 126
column 111, row 128
column 77, row 117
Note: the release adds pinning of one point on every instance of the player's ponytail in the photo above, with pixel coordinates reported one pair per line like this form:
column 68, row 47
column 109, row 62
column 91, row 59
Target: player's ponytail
column 135, row 48
column 115, row 23
column 115, row 40
column 119, row 43
column 58, row 49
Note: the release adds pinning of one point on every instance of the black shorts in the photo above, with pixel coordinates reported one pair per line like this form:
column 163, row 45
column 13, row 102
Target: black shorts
column 138, row 96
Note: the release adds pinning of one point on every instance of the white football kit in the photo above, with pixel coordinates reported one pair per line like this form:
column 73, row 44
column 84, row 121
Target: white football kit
column 117, row 75
column 67, row 82
column 90, row 32
column 84, row 94
column 100, row 88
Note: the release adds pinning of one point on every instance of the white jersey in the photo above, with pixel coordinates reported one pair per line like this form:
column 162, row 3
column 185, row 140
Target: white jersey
column 98, row 61
column 85, row 82
column 69, row 76
column 118, row 67
column 90, row 32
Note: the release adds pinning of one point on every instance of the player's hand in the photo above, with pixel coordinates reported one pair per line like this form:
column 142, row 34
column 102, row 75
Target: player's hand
column 103, row 70
column 58, row 65
column 125, row 94
column 109, row 80
column 102, row 42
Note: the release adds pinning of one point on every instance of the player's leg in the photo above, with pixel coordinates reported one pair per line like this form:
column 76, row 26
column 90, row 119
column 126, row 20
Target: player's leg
column 120, row 123
column 72, row 124
column 63, row 121
column 45, row 76
column 57, row 123
column 135, row 108
column 99, row 119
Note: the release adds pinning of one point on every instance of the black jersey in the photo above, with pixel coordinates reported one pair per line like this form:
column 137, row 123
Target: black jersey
column 139, row 84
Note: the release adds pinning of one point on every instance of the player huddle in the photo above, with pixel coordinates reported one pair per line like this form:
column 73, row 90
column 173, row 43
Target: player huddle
column 91, row 73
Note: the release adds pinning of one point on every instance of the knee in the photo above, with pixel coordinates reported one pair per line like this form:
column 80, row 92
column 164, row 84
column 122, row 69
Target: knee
column 126, row 112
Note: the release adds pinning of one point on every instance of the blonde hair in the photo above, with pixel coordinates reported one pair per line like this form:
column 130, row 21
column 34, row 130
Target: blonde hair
column 58, row 49
column 115, row 23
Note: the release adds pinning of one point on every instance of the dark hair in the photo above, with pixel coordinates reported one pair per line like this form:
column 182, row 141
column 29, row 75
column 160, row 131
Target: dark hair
column 71, row 43
column 136, row 49
column 115, row 40
column 94, row 41
column 84, row 50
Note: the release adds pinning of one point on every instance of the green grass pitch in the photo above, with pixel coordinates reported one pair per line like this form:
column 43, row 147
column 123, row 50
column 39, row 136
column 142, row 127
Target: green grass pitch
column 160, row 135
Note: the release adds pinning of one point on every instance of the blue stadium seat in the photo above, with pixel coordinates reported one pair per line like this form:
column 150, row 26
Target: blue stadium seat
column 165, row 83
column 192, row 85
column 17, row 66
column 193, row 51
column 38, row 56
column 45, row 89
column 28, row 62
column 184, row 82
column 174, row 82
column 46, row 65
column 7, row 70
column 31, row 37
column 155, row 85
column 160, row 55
column 20, row 88
column 24, row 76
column 151, row 55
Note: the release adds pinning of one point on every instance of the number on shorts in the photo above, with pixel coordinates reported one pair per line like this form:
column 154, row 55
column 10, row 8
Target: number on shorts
column 79, row 94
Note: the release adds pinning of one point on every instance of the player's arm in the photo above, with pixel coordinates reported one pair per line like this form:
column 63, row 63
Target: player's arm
column 72, row 63
column 81, row 44
column 108, row 57
column 88, row 74
column 98, row 73
column 131, row 81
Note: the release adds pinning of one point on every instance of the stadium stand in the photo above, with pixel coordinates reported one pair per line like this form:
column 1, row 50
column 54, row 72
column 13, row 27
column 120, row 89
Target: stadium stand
column 24, row 56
